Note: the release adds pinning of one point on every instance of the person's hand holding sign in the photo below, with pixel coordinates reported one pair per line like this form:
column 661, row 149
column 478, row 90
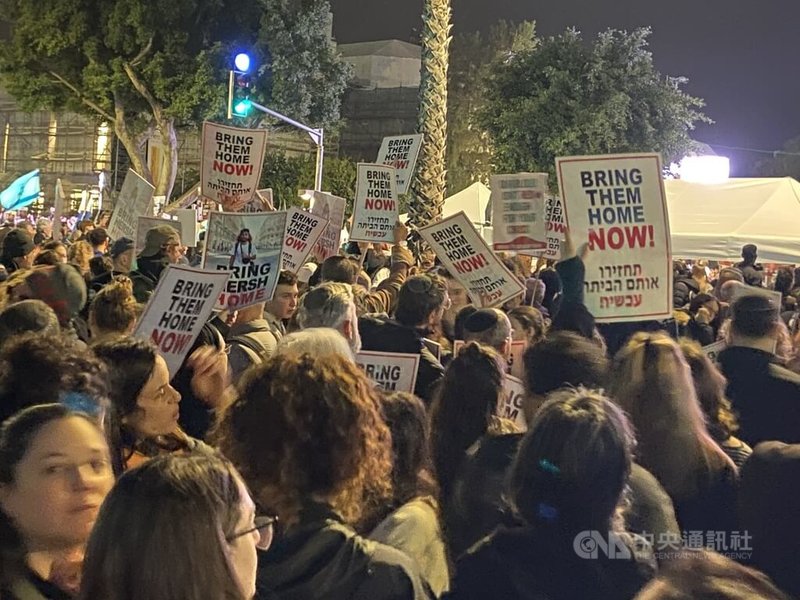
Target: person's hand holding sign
column 568, row 248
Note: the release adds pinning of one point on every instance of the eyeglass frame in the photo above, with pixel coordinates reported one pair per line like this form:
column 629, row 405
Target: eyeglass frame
column 266, row 521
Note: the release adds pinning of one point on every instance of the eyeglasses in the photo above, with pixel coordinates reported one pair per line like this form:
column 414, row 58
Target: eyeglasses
column 263, row 525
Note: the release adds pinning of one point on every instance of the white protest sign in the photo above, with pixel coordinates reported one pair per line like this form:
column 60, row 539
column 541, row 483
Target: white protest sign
column 261, row 202
column 775, row 298
column 518, row 206
column 230, row 164
column 390, row 371
column 616, row 203
column 511, row 402
column 515, row 364
column 467, row 257
column 712, row 350
column 555, row 226
column 249, row 247
column 187, row 217
column 135, row 200
column 401, row 152
column 302, row 232
column 180, row 306
column 331, row 208
column 58, row 210
column 375, row 208
column 145, row 224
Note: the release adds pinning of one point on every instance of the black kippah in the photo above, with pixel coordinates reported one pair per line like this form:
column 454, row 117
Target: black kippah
column 482, row 320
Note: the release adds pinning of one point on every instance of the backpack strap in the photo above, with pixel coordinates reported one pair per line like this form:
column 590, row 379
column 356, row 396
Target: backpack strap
column 254, row 351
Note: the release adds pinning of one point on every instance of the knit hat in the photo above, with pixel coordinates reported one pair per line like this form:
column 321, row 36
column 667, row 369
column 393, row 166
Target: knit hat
column 121, row 246
column 61, row 287
column 17, row 243
column 158, row 237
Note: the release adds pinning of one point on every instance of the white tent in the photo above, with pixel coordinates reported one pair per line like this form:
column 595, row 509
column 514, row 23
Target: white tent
column 715, row 221
column 473, row 200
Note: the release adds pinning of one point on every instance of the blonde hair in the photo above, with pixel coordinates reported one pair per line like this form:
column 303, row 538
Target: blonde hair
column 80, row 253
column 114, row 309
column 652, row 382
column 316, row 341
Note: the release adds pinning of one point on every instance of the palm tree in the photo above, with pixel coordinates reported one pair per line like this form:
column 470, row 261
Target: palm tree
column 429, row 181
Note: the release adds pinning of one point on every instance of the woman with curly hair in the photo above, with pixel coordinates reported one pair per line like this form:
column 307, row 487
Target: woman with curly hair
column 308, row 438
column 113, row 311
column 709, row 384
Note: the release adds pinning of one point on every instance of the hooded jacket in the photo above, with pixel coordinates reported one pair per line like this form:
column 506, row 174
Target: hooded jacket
column 323, row 558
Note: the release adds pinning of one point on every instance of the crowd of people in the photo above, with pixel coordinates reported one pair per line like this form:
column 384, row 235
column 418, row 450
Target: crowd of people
column 271, row 467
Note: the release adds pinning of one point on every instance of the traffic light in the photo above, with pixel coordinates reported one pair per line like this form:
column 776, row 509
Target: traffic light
column 239, row 87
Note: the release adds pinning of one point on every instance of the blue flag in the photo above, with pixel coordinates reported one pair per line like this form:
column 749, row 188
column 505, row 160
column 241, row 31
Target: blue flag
column 22, row 192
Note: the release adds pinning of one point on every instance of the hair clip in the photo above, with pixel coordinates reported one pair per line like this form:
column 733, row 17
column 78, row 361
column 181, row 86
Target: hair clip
column 549, row 467
column 547, row 512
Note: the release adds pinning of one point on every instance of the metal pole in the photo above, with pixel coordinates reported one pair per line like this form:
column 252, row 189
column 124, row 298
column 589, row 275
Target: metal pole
column 320, row 161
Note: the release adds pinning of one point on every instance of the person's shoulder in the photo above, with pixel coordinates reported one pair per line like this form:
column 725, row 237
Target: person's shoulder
column 784, row 375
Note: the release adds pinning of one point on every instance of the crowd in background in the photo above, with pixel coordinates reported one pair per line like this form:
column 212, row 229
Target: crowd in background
column 271, row 467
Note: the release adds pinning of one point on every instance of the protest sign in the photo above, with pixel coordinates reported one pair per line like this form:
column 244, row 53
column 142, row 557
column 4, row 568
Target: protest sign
column 712, row 350
column 187, row 217
column 555, row 226
column 58, row 210
column 518, row 203
column 775, row 298
column 248, row 246
column 135, row 200
column 230, row 164
column 302, row 232
column 467, row 257
column 616, row 203
column 515, row 364
column 180, row 306
column 375, row 209
column 261, row 202
column 331, row 208
column 390, row 371
column 511, row 402
column 401, row 152
column 144, row 224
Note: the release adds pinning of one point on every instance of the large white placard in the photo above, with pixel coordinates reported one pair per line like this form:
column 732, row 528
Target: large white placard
column 390, row 371
column 302, row 232
column 230, row 166
column 518, row 211
column 331, row 208
column 401, row 152
column 470, row 260
column 616, row 203
column 135, row 200
column 375, row 208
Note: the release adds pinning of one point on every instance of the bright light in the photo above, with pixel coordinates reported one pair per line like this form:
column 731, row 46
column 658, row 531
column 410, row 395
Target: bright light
column 705, row 169
column 242, row 108
column 242, row 62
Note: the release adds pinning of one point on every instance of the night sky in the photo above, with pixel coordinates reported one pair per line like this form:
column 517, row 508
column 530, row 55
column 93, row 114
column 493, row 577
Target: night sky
column 741, row 56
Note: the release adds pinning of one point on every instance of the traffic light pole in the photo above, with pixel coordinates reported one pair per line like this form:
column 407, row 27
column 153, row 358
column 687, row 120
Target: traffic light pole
column 317, row 135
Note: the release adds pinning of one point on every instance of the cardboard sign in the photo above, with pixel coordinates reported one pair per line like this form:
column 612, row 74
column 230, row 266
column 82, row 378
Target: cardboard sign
column 248, row 246
column 510, row 405
column 145, row 224
column 712, row 350
column 262, row 202
column 390, row 371
column 464, row 253
column 180, row 306
column 401, row 152
column 375, row 209
column 518, row 207
column 230, row 164
column 187, row 217
column 515, row 364
column 302, row 232
column 555, row 226
column 617, row 204
column 135, row 200
column 330, row 208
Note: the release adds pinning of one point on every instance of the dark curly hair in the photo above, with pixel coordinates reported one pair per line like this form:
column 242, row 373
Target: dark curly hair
column 305, row 426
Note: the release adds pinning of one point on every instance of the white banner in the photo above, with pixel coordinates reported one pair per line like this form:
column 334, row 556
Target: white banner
column 390, row 371
column 302, row 232
column 187, row 217
column 518, row 206
column 230, row 165
column 375, row 208
column 331, row 208
column 144, row 224
column 180, row 306
column 248, row 246
column 616, row 203
column 135, row 200
column 511, row 402
column 467, row 257
column 401, row 152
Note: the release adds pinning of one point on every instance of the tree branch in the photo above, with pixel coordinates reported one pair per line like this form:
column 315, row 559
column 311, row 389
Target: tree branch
column 95, row 107
column 140, row 87
column 145, row 51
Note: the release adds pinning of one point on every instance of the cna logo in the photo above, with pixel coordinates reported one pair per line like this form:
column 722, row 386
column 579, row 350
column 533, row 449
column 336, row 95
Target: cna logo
column 593, row 544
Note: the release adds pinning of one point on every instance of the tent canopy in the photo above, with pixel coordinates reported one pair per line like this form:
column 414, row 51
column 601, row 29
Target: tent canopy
column 715, row 221
column 472, row 200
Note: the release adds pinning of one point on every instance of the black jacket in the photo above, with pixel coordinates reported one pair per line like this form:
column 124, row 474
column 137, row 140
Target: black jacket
column 381, row 334
column 525, row 564
column 322, row 558
column 765, row 395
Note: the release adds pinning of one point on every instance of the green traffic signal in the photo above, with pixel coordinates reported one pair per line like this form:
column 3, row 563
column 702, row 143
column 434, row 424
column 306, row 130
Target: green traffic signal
column 242, row 107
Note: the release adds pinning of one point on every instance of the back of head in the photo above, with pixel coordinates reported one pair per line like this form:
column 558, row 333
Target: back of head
column 97, row 237
column 573, row 464
column 62, row 288
column 17, row 243
column 340, row 269
column 419, row 296
column 564, row 359
column 166, row 523
column 114, row 309
column 488, row 326
column 461, row 318
column 784, row 280
column 750, row 253
column 706, row 575
column 306, row 427
column 728, row 289
column 327, row 305
column 28, row 316
column 532, row 322
column 754, row 316
column 40, row 370
column 316, row 341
